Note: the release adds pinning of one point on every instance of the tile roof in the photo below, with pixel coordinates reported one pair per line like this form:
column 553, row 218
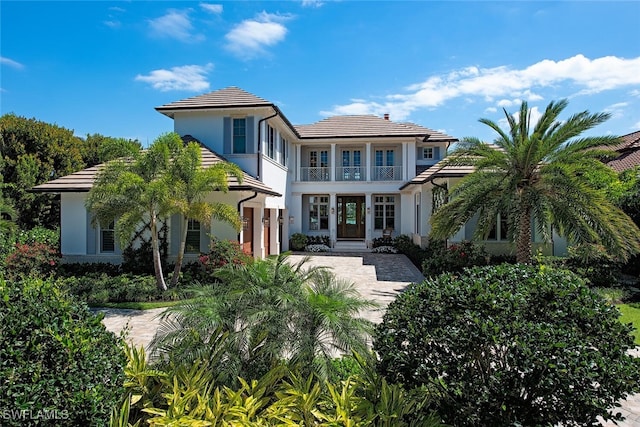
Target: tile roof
column 629, row 149
column 359, row 126
column 230, row 97
column 439, row 170
column 83, row 180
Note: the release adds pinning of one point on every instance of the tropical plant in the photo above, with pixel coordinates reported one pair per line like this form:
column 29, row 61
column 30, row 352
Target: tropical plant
column 510, row 345
column 537, row 173
column 191, row 183
column 264, row 312
column 57, row 360
column 135, row 191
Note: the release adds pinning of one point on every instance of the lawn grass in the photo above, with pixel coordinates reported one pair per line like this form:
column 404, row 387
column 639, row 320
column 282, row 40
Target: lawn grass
column 143, row 305
column 631, row 314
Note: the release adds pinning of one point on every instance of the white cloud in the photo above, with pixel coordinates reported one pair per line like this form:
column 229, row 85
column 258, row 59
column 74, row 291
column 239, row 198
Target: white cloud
column 117, row 9
column 11, row 63
column 212, row 8
column 636, row 126
column 490, row 110
column 616, row 110
column 635, row 92
column 312, row 3
column 534, row 115
column 187, row 77
column 504, row 103
column 175, row 24
column 113, row 24
column 588, row 75
column 250, row 37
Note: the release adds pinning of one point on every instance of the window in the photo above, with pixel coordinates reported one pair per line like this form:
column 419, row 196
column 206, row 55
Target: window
column 285, row 152
column 500, row 230
column 271, row 142
column 427, row 153
column 193, row 237
column 384, row 212
column 319, row 159
column 318, row 212
column 239, row 135
column 107, row 238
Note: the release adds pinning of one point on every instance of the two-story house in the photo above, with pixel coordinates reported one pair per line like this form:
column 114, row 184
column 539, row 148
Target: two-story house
column 351, row 178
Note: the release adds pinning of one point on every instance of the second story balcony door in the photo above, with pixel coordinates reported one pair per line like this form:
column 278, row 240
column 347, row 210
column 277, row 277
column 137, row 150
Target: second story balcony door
column 351, row 217
column 351, row 166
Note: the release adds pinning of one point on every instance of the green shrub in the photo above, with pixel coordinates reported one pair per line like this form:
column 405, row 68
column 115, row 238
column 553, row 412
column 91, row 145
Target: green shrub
column 56, row 358
column 96, row 289
column 39, row 235
column 510, row 345
column 453, row 258
column 298, row 241
column 593, row 263
column 405, row 245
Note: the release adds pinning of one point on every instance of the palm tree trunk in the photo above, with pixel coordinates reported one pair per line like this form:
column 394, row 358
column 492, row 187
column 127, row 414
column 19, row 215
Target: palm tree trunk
column 523, row 245
column 155, row 246
column 180, row 258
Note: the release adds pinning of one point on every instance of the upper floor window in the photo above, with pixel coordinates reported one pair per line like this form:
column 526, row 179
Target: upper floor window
column 271, row 142
column 107, row 238
column 193, row 237
column 385, row 157
column 427, row 153
column 239, row 135
column 284, row 158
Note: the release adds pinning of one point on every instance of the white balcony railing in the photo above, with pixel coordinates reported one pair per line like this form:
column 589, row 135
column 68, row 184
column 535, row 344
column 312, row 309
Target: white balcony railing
column 315, row 174
column 350, row 173
column 387, row 173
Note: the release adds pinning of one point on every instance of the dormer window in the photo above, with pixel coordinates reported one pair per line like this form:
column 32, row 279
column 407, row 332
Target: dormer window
column 427, row 153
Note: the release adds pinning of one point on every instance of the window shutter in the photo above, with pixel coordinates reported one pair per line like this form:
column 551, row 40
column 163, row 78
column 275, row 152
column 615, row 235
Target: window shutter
column 436, row 153
column 226, row 137
column 251, row 142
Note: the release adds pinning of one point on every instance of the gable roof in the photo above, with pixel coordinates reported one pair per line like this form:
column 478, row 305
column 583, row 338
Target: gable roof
column 361, row 126
column 83, row 180
column 629, row 149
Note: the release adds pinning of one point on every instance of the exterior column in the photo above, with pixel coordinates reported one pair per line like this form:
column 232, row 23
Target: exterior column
column 274, row 243
column 332, row 163
column 333, row 218
column 369, row 161
column 369, row 212
column 298, row 163
column 405, row 162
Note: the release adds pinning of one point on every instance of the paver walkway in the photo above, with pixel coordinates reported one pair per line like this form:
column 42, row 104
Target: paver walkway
column 379, row 277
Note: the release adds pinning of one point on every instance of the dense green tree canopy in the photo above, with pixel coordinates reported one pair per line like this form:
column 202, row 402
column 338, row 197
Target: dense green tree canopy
column 538, row 175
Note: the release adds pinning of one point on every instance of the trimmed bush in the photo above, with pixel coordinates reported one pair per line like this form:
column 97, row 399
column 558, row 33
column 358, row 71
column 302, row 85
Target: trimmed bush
column 35, row 259
column 57, row 360
column 510, row 345
column 453, row 258
column 96, row 289
column 298, row 241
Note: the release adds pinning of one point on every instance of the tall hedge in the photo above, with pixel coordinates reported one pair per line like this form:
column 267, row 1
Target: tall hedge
column 58, row 364
column 510, row 345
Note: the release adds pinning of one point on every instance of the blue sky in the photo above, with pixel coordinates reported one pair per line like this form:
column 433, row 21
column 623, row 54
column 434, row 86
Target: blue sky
column 102, row 66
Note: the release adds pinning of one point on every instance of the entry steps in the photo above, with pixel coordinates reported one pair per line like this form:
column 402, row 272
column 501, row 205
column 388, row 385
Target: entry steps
column 350, row 246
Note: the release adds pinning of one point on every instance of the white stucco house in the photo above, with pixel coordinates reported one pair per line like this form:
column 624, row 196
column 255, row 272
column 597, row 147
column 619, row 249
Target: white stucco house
column 346, row 177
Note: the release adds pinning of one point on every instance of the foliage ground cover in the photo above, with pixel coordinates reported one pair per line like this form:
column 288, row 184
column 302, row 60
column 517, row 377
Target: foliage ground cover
column 631, row 314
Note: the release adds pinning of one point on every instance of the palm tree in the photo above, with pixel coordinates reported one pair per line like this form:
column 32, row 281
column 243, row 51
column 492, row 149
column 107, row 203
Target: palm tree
column 190, row 185
column 261, row 313
column 135, row 191
column 538, row 174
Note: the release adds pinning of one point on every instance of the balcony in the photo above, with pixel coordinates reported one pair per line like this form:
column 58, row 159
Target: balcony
column 386, row 173
column 315, row 174
column 351, row 173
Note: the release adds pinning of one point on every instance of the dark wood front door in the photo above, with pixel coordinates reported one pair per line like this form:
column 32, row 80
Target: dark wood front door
column 351, row 217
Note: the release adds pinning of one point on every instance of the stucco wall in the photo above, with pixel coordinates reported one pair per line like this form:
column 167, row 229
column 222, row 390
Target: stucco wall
column 73, row 222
